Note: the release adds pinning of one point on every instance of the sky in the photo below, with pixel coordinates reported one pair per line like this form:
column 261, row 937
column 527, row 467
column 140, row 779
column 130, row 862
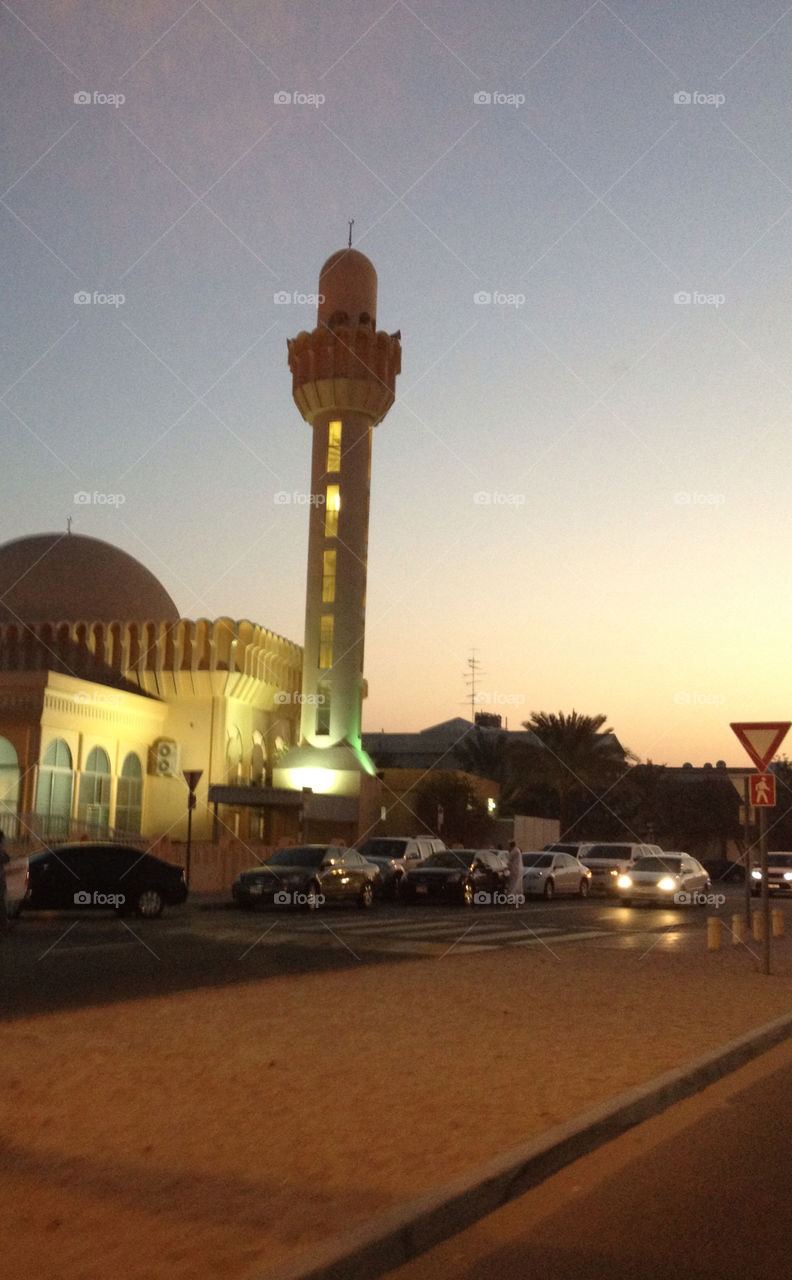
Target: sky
column 580, row 215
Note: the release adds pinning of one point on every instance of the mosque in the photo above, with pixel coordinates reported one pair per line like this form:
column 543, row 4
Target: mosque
column 108, row 697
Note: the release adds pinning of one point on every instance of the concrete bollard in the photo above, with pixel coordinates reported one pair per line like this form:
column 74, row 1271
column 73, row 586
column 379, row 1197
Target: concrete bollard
column 714, row 933
column 757, row 924
column 738, row 929
column 778, row 923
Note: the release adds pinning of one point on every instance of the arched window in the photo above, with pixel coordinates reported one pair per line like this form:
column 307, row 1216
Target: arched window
column 93, row 800
column 9, row 788
column 129, row 800
column 55, row 789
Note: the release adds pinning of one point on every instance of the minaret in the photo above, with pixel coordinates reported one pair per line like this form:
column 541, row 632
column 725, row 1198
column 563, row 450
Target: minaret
column 344, row 376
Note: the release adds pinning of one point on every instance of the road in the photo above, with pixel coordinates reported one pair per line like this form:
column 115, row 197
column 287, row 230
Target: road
column 61, row 960
column 701, row 1191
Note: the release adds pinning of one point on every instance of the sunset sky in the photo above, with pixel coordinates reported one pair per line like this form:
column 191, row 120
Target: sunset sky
column 580, row 214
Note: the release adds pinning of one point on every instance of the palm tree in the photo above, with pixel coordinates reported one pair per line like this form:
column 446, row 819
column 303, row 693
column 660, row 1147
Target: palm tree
column 576, row 754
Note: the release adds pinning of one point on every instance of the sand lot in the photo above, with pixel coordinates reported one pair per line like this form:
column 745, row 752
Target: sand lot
column 216, row 1132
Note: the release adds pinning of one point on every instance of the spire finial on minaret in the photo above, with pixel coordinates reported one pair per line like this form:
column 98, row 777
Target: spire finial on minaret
column 351, row 225
column 68, row 524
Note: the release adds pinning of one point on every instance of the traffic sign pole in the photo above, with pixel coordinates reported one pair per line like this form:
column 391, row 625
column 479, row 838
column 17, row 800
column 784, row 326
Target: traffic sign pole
column 746, row 843
column 765, row 891
column 761, row 740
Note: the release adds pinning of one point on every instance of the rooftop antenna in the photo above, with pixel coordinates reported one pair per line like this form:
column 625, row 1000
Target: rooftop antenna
column 472, row 679
column 68, row 524
column 351, row 225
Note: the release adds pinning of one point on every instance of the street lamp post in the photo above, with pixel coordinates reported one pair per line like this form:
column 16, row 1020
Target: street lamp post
column 191, row 777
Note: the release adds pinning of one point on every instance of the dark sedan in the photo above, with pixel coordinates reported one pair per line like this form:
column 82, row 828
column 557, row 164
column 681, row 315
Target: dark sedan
column 458, row 875
column 104, row 877
column 308, row 876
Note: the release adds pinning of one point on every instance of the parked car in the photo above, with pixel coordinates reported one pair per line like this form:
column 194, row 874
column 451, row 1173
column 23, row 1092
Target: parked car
column 567, row 846
column 547, row 874
column 673, row 878
column 395, row 855
column 458, row 875
column 608, row 859
column 779, row 875
column 105, row 877
column 308, row 876
column 723, row 870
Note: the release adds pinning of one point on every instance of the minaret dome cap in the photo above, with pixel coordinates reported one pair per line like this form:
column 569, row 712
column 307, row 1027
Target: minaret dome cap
column 348, row 284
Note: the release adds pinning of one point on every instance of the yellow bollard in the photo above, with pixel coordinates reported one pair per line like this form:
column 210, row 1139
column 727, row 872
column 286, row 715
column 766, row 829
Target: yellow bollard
column 778, row 923
column 738, row 929
column 757, row 923
column 714, row 933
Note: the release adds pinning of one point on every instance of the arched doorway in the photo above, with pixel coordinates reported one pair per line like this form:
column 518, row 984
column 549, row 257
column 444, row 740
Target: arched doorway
column 54, row 790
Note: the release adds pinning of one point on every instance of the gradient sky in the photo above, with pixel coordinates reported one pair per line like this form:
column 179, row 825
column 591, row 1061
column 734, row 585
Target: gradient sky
column 632, row 448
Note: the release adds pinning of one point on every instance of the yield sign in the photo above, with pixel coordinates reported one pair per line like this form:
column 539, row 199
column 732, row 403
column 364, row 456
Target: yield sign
column 762, row 739
column 763, row 789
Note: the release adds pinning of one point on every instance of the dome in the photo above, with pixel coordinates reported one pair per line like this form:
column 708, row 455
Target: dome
column 348, row 283
column 65, row 577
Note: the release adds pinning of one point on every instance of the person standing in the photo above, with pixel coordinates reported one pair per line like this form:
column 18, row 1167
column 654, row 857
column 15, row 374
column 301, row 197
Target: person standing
column 514, row 859
column 4, row 861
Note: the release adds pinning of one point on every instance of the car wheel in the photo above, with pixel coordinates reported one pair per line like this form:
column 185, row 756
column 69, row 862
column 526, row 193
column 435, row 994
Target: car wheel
column 366, row 895
column 584, row 889
column 398, row 888
column 312, row 897
column 626, row 902
column 755, row 893
column 466, row 894
column 549, row 890
column 149, row 904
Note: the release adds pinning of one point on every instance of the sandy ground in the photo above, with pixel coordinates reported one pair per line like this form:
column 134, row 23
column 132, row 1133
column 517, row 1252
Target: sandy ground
column 214, row 1133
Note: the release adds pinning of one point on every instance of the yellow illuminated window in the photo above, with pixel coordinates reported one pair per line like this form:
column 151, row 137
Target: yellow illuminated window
column 329, row 577
column 326, row 641
column 334, row 446
column 332, row 508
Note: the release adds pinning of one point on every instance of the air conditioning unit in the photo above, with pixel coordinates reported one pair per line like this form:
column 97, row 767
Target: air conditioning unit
column 165, row 758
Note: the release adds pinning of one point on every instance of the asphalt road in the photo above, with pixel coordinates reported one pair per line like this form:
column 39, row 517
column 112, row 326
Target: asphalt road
column 60, row 960
column 701, row 1191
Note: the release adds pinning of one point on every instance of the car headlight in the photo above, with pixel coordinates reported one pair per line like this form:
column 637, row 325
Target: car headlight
column 757, row 875
column 667, row 883
column 788, row 875
column 614, row 872
column 624, row 882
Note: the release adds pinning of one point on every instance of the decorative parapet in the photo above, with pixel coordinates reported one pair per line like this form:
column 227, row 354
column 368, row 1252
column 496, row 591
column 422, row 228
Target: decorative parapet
column 349, row 369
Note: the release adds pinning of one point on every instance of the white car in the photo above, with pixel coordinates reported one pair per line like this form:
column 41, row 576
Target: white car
column 673, row 878
column 547, row 874
column 779, row 875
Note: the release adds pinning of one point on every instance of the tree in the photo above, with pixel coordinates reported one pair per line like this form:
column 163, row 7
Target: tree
column 575, row 759
column 447, row 804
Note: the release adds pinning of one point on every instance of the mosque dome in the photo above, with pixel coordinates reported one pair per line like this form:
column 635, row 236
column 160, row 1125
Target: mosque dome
column 66, row 577
column 348, row 285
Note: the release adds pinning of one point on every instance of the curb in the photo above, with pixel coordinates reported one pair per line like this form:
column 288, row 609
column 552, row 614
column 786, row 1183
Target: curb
column 408, row 1230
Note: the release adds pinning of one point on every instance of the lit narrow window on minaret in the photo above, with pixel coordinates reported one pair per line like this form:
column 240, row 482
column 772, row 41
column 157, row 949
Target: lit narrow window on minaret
column 328, row 577
column 326, row 641
column 334, row 446
column 332, row 508
column 323, row 707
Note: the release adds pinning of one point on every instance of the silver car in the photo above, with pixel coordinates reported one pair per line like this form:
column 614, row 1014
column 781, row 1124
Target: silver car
column 547, row 874
column 779, row 875
column 673, row 878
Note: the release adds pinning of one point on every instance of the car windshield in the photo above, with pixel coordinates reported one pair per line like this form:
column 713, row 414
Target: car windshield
column 537, row 859
column 673, row 865
column 305, row 856
column 780, row 859
column 382, row 848
column 451, row 859
column 608, row 853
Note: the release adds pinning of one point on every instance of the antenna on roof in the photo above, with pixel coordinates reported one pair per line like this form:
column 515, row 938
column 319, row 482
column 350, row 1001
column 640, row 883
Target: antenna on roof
column 351, row 225
column 472, row 679
column 68, row 524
